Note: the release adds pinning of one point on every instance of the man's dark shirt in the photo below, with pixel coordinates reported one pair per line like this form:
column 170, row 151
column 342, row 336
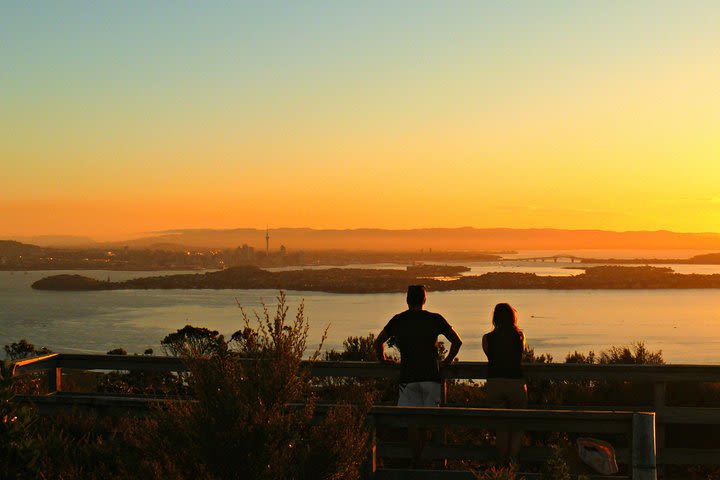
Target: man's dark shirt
column 415, row 333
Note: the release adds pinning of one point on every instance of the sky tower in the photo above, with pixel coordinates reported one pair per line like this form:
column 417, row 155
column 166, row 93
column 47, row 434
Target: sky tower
column 267, row 242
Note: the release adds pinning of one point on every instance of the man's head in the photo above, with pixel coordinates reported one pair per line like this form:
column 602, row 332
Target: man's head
column 416, row 296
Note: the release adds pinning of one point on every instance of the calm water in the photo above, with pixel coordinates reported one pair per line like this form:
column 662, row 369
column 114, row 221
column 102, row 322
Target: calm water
column 684, row 324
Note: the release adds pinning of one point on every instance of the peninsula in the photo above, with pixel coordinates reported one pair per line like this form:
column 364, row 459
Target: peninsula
column 359, row 280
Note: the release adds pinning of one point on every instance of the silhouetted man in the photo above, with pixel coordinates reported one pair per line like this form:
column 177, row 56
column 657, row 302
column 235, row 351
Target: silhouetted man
column 415, row 332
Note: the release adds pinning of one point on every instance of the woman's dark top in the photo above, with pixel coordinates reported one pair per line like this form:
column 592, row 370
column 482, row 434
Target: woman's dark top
column 504, row 352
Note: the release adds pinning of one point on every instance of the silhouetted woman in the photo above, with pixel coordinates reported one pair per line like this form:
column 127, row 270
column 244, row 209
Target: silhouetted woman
column 506, row 388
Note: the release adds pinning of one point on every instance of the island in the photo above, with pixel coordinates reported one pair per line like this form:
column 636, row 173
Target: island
column 360, row 280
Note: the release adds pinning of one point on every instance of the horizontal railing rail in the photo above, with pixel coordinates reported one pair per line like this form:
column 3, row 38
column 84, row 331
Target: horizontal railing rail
column 460, row 370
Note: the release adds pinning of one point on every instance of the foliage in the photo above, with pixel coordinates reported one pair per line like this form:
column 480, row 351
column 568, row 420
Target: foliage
column 354, row 349
column 33, row 383
column 636, row 354
column 24, row 349
column 191, row 340
column 498, row 473
column 597, row 392
column 529, row 356
column 242, row 426
column 16, row 420
column 357, row 349
column 117, row 351
column 556, row 468
column 87, row 446
column 578, row 357
column 540, row 391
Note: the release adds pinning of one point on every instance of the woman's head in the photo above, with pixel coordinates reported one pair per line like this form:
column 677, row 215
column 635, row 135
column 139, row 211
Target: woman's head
column 504, row 316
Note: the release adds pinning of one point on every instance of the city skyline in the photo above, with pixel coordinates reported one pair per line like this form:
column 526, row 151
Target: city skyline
column 123, row 119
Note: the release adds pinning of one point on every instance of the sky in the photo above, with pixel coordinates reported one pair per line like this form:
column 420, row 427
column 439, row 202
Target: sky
column 123, row 118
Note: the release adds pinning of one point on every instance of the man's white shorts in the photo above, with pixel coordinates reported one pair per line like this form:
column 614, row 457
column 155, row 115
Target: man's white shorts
column 419, row 394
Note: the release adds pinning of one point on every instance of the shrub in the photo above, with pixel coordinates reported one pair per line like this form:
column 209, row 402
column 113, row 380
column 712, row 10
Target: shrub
column 241, row 425
column 556, row 468
column 87, row 446
column 357, row 349
column 17, row 450
column 635, row 353
column 354, row 349
column 498, row 473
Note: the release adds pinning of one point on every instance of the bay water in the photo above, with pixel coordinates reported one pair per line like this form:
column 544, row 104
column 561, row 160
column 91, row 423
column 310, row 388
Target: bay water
column 684, row 324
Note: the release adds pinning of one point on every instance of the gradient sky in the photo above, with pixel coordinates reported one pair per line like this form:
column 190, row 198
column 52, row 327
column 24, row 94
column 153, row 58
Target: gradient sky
column 119, row 118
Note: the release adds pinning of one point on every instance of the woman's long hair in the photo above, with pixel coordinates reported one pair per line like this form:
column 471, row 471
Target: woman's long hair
column 505, row 317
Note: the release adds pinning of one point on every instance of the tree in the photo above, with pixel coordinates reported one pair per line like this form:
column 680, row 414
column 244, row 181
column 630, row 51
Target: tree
column 24, row 349
column 191, row 341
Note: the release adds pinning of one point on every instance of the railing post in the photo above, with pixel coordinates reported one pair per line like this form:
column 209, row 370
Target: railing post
column 55, row 378
column 369, row 466
column 660, row 392
column 643, row 447
column 442, row 432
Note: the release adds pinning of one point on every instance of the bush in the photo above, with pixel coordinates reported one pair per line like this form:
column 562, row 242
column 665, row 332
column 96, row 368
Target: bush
column 354, row 349
column 18, row 453
column 241, row 425
column 636, row 354
column 498, row 473
column 87, row 446
column 556, row 468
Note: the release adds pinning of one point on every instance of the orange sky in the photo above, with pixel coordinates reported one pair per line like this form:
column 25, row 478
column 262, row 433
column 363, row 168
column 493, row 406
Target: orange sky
column 602, row 117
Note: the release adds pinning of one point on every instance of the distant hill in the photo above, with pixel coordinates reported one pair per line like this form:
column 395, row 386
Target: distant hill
column 58, row 241
column 448, row 239
column 11, row 248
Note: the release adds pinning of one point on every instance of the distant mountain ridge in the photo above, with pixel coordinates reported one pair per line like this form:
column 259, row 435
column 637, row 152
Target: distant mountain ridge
column 11, row 247
column 60, row 241
column 448, row 239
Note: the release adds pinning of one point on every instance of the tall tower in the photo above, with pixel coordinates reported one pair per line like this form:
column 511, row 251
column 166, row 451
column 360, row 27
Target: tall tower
column 267, row 242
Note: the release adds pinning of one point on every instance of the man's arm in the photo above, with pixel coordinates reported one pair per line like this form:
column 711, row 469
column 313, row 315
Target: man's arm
column 380, row 346
column 455, row 344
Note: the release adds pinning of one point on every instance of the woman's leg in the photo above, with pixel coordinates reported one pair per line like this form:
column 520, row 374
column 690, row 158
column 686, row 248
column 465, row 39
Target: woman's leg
column 520, row 400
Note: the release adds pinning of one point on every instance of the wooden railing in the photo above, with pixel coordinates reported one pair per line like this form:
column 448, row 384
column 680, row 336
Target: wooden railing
column 657, row 375
column 638, row 427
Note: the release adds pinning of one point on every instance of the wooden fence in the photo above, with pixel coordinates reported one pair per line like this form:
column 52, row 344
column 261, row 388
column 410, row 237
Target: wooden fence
column 659, row 376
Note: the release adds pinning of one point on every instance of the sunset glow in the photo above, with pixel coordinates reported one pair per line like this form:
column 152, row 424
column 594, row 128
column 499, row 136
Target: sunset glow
column 133, row 117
